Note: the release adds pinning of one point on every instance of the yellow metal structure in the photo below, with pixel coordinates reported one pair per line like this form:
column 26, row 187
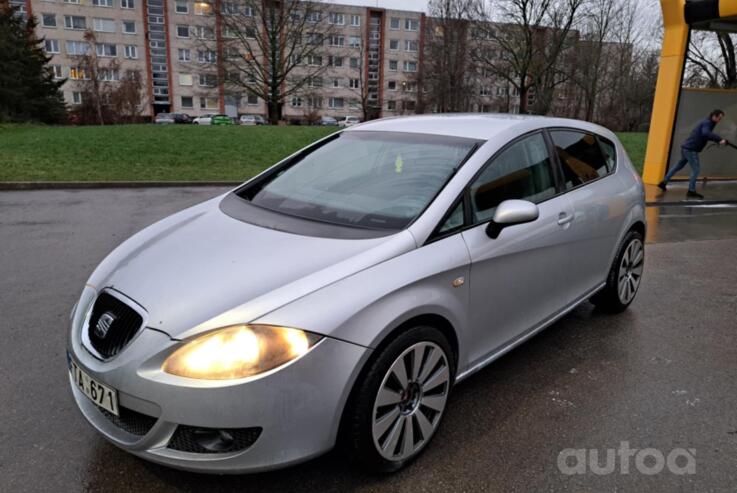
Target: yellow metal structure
column 670, row 75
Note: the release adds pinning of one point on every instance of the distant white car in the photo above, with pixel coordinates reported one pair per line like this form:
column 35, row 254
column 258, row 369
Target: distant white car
column 203, row 120
column 252, row 120
column 349, row 121
column 327, row 121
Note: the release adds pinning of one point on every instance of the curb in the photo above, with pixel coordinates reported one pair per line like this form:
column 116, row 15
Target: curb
column 61, row 185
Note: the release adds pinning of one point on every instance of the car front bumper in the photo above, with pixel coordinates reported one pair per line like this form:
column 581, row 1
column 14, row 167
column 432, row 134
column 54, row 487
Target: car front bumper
column 297, row 408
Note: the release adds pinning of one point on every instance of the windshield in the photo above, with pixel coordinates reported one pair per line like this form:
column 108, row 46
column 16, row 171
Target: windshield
column 380, row 180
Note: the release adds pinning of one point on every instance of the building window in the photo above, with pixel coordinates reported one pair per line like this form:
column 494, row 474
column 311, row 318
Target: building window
column 102, row 3
column 394, row 23
column 208, row 103
column 76, row 97
column 410, row 66
column 78, row 73
column 208, row 80
column 51, row 46
column 409, row 86
column 336, row 40
column 182, row 31
column 393, row 65
column 315, row 82
column 296, row 102
column 184, row 55
column 409, row 105
column 354, row 62
column 392, row 85
column 336, row 18
column 77, row 48
column 336, row 82
column 203, row 32
column 57, row 71
column 131, row 51
column 315, row 60
column 181, row 7
column 411, row 24
column 393, row 44
column 187, row 102
column 314, row 102
column 336, row 103
column 127, row 4
column 185, row 79
column 202, row 8
column 410, row 45
column 252, row 99
column 354, row 83
column 48, row 20
column 129, row 27
column 313, row 16
column 109, row 75
column 335, row 61
column 485, row 91
column 103, row 25
column 71, row 1
column 355, row 20
column 76, row 22
column 206, row 56
column 314, row 39
column 106, row 49
column 354, row 42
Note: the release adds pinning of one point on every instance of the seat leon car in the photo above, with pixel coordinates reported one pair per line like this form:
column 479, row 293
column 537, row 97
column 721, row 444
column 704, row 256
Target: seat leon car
column 337, row 297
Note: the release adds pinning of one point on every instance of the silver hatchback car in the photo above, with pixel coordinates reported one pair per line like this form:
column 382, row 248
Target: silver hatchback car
column 337, row 297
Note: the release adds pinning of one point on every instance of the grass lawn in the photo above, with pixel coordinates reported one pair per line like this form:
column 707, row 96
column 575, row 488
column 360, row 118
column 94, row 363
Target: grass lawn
column 162, row 152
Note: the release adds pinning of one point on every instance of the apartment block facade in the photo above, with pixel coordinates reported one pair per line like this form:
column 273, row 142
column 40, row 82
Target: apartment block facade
column 166, row 42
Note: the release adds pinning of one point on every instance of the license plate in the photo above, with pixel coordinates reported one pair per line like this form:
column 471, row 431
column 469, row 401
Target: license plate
column 100, row 394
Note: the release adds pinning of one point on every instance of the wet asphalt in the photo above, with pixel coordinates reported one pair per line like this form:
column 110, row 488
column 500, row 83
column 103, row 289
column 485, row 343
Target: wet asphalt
column 661, row 375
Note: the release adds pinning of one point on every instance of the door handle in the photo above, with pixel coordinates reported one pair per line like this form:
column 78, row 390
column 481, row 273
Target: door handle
column 565, row 218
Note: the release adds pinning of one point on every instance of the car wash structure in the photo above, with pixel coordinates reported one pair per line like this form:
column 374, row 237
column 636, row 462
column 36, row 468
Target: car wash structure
column 678, row 109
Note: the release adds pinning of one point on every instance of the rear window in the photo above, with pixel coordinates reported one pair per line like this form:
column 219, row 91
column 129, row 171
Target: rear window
column 581, row 157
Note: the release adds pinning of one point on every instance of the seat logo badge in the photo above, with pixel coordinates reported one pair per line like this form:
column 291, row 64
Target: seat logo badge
column 457, row 283
column 103, row 324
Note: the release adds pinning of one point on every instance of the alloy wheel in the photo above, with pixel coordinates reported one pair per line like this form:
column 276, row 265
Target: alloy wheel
column 630, row 271
column 410, row 401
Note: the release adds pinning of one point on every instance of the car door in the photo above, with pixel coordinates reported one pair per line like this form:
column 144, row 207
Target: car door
column 516, row 279
column 598, row 203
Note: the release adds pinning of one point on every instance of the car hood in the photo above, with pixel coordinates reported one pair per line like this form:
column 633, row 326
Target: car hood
column 201, row 269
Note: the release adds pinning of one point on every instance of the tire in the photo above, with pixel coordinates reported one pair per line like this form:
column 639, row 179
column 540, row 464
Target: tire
column 385, row 428
column 624, row 277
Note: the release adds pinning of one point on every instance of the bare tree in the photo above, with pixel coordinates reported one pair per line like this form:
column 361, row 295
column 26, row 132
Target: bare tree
column 527, row 45
column 711, row 60
column 448, row 62
column 270, row 48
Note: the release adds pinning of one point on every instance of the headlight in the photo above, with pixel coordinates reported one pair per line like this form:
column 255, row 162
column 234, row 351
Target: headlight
column 239, row 351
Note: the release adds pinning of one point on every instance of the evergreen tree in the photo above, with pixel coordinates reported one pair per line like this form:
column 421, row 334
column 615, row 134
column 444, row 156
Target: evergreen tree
column 28, row 90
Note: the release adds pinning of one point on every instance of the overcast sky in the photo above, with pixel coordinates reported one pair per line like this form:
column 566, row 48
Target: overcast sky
column 418, row 5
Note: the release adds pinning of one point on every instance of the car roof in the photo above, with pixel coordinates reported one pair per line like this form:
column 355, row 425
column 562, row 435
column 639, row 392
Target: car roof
column 482, row 126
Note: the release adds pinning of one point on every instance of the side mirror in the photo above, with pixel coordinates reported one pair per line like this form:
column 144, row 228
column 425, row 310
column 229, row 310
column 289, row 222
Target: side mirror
column 509, row 213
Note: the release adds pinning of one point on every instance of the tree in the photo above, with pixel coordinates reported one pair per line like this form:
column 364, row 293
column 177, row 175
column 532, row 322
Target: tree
column 271, row 49
column 711, row 60
column 530, row 41
column 109, row 94
column 28, row 90
column 448, row 63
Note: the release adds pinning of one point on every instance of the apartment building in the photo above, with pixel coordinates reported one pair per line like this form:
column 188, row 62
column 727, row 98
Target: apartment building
column 372, row 58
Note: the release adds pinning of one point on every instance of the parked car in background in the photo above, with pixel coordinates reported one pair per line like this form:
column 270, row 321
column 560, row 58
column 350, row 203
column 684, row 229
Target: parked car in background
column 252, row 120
column 203, row 119
column 164, row 119
column 349, row 121
column 327, row 121
column 221, row 120
column 182, row 118
column 340, row 295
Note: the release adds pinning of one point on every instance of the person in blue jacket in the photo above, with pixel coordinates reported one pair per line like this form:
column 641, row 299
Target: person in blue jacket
column 700, row 136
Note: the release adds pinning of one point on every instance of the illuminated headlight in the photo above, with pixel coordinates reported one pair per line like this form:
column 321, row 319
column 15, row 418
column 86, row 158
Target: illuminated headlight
column 239, row 351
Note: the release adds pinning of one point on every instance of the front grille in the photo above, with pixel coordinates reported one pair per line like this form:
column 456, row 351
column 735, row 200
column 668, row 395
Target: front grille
column 191, row 439
column 121, row 322
column 131, row 421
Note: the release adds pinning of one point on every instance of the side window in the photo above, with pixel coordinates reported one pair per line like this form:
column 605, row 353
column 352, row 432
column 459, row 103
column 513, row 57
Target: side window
column 522, row 171
column 580, row 156
column 610, row 152
column 454, row 221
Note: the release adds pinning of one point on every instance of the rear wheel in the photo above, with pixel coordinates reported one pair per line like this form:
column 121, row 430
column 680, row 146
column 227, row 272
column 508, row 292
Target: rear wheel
column 624, row 276
column 397, row 407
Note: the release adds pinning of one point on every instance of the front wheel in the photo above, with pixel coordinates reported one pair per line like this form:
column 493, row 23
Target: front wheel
column 397, row 407
column 624, row 276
